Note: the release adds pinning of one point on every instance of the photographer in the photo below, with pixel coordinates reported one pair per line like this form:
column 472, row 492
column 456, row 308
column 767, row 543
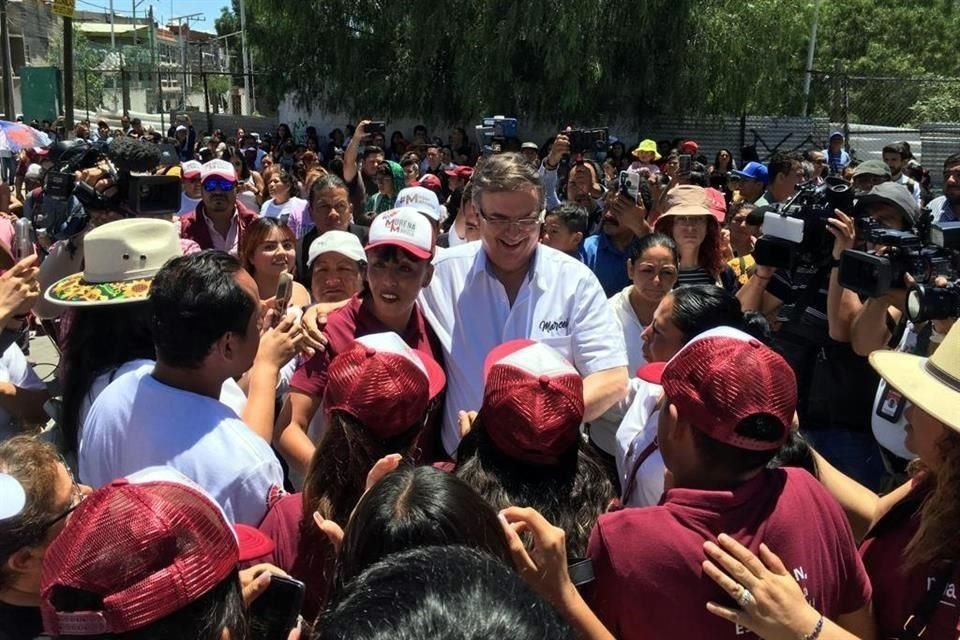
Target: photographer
column 583, row 182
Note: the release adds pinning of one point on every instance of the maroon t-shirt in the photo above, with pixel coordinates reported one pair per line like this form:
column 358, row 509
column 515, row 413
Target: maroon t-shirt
column 649, row 580
column 349, row 323
column 304, row 551
column 897, row 593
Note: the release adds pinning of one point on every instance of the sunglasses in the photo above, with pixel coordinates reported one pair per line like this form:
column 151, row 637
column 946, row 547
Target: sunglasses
column 218, row 184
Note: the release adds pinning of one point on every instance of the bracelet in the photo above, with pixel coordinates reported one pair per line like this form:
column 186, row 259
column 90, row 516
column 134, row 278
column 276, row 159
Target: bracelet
column 813, row 635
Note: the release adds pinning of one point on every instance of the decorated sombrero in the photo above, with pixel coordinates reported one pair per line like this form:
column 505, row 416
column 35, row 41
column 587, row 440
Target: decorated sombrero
column 120, row 260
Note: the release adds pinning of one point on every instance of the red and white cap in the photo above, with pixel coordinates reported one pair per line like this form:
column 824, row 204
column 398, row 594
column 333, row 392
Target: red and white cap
column 532, row 401
column 145, row 547
column 218, row 168
column 405, row 228
column 190, row 169
column 422, row 199
column 724, row 376
column 384, row 383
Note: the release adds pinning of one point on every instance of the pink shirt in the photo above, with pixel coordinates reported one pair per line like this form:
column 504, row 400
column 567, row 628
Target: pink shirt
column 228, row 244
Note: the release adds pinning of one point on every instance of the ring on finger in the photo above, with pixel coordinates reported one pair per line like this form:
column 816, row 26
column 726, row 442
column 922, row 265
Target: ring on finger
column 745, row 597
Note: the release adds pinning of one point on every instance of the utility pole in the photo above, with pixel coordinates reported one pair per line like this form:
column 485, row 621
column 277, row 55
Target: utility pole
column 811, row 49
column 187, row 19
column 68, row 74
column 245, row 103
column 113, row 39
column 5, row 58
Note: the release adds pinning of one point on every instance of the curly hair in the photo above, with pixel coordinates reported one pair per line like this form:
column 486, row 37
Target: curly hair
column 935, row 542
column 571, row 494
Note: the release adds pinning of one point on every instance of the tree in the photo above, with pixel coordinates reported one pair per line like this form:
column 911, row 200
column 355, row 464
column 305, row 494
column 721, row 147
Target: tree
column 87, row 81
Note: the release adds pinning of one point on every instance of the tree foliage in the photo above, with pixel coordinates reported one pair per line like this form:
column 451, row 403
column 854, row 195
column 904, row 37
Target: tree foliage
column 88, row 86
column 590, row 60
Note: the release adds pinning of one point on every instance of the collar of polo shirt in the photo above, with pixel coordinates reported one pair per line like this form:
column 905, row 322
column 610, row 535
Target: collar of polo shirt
column 482, row 265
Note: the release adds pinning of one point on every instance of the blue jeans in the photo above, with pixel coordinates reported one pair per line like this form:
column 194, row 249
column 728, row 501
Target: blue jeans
column 856, row 454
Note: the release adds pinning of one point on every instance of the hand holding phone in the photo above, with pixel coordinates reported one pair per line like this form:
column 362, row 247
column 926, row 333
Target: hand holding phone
column 282, row 299
column 275, row 612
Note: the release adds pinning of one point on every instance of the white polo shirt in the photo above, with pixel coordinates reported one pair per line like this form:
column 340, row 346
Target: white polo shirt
column 560, row 304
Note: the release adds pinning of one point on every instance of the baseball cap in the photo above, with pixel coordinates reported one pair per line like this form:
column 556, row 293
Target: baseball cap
column 218, row 168
column 836, row 134
column 532, row 401
column 180, row 127
column 705, row 381
column 530, row 145
column 146, row 547
column 405, row 228
column 872, row 168
column 690, row 147
column 431, row 182
column 461, row 171
column 190, row 169
column 384, row 383
column 420, row 198
column 335, row 241
column 753, row 171
column 34, row 172
column 893, row 194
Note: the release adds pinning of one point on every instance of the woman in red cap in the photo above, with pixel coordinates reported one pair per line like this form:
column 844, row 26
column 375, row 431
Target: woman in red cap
column 524, row 447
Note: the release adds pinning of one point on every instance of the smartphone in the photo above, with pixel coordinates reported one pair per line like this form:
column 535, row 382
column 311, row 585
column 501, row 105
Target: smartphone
column 629, row 185
column 685, row 163
column 274, row 614
column 375, row 126
column 23, row 239
column 284, row 293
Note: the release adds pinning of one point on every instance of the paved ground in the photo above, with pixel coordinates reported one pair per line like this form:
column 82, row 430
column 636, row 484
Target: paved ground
column 44, row 357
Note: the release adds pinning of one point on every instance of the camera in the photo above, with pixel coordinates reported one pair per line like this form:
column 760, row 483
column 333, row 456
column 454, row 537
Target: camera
column 584, row 140
column 933, row 303
column 59, row 184
column 872, row 274
column 628, row 185
column 795, row 231
column 494, row 130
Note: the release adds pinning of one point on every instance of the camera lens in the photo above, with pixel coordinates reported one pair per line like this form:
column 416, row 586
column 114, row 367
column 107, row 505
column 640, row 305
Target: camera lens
column 915, row 303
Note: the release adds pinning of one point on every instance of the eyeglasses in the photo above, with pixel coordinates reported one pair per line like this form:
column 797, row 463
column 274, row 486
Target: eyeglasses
column 665, row 273
column 218, row 184
column 526, row 224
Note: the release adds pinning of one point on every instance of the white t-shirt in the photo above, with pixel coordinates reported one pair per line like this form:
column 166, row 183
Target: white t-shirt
column 15, row 369
column 603, row 430
column 889, row 405
column 636, row 433
column 139, row 422
column 188, row 204
column 292, row 207
column 560, row 304
column 248, row 198
column 230, row 393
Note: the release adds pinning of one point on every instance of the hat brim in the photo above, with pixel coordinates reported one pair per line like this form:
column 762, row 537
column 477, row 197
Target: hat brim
column 872, row 198
column 436, row 378
column 744, row 176
column 219, row 174
column 412, row 249
column 190, row 175
column 252, row 543
column 339, row 252
column 656, row 155
column 687, row 210
column 74, row 291
column 910, row 375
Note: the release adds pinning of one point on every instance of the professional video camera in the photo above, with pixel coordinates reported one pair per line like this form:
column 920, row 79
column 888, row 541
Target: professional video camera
column 933, row 303
column 795, row 231
column 128, row 165
column 494, row 131
column 934, row 250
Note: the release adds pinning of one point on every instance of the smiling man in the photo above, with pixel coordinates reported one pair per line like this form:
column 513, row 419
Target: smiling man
column 509, row 286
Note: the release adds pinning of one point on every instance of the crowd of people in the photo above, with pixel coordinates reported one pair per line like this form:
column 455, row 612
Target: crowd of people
column 346, row 388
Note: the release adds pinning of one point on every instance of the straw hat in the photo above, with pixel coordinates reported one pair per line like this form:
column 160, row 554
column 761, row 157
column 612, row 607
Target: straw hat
column 120, row 260
column 932, row 384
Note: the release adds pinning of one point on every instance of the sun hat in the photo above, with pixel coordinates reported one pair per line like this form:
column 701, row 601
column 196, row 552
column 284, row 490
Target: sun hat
column 120, row 260
column 893, row 194
column 932, row 384
column 753, row 171
column 144, row 548
column 420, row 198
column 532, row 401
column 688, row 200
column 872, row 168
column 334, row 241
column 190, row 169
column 705, row 381
column 218, row 168
column 647, row 145
column 405, row 228
column 383, row 383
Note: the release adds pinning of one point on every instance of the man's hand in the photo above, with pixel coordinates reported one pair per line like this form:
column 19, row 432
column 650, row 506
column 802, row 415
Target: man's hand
column 281, row 343
column 844, row 233
column 630, row 214
column 560, row 147
column 19, row 288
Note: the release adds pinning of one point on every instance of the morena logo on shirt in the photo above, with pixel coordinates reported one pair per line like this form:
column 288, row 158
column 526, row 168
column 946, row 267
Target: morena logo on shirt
column 552, row 326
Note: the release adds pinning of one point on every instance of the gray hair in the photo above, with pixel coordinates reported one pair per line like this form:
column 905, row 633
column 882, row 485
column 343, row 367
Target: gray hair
column 504, row 172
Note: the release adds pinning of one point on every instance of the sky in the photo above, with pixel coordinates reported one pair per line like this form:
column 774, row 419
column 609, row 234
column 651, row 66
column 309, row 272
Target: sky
column 163, row 9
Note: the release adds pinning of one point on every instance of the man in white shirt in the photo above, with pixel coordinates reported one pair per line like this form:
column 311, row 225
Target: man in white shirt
column 509, row 286
column 206, row 329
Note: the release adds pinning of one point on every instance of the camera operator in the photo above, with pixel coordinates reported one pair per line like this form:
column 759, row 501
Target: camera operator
column 784, row 173
column 583, row 184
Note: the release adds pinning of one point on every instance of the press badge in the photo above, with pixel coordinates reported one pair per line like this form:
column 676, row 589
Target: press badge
column 891, row 403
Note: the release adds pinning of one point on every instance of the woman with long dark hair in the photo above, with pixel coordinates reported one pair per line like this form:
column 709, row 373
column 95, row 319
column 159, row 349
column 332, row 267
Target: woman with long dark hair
column 524, row 447
column 269, row 249
column 250, row 187
column 284, row 204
